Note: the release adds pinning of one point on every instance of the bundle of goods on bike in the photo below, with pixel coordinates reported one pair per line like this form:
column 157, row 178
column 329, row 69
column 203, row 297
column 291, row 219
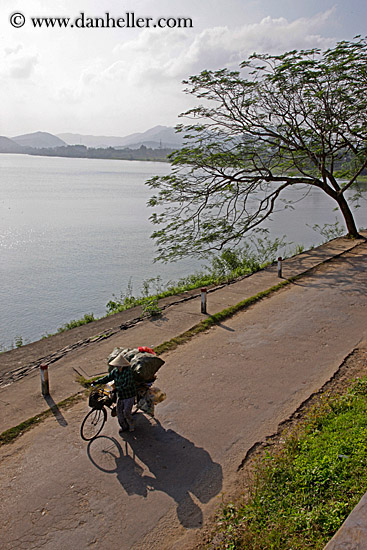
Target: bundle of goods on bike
column 130, row 379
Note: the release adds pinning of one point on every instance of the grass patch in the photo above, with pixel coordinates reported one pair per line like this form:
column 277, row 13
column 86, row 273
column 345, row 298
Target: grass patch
column 301, row 494
column 88, row 318
column 149, row 302
column 204, row 325
column 86, row 382
column 10, row 435
column 226, row 267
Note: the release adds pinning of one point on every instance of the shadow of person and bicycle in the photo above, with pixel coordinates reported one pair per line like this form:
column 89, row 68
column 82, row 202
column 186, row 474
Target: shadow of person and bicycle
column 157, row 459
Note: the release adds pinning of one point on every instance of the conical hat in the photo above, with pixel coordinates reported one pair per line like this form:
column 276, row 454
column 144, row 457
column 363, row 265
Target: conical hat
column 120, row 361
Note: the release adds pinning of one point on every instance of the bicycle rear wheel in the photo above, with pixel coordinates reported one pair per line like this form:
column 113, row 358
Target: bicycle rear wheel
column 93, row 423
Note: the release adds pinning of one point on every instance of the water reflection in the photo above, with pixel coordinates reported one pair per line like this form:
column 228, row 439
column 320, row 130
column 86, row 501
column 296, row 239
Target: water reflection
column 73, row 232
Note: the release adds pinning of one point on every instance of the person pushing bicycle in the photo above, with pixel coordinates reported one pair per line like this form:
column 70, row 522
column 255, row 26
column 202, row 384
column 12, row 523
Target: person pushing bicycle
column 123, row 377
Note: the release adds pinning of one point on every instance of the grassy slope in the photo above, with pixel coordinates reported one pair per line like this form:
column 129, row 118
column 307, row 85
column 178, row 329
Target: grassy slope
column 301, row 493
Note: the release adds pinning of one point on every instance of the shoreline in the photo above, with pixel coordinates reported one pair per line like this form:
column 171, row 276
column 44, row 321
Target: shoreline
column 55, row 347
column 137, row 311
column 87, row 157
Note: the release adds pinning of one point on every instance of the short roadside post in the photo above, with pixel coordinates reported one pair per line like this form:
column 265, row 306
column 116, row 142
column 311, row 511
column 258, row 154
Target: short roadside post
column 44, row 380
column 280, row 260
column 204, row 293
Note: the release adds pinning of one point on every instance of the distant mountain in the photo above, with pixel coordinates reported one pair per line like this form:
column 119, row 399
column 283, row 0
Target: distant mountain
column 160, row 137
column 39, row 140
column 9, row 146
column 155, row 138
column 92, row 141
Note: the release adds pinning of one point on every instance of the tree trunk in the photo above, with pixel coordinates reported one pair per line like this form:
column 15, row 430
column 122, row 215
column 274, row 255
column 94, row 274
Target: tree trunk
column 348, row 217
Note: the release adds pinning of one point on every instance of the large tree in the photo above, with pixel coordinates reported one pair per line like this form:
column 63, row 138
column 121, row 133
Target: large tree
column 282, row 120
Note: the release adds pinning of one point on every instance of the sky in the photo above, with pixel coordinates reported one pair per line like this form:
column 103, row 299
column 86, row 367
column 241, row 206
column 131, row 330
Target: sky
column 117, row 81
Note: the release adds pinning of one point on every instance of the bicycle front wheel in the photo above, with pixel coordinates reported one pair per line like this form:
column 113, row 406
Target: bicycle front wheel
column 93, row 423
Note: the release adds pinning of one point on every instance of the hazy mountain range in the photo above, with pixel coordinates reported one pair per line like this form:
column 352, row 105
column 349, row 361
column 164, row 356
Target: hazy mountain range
column 159, row 136
column 38, row 140
column 155, row 138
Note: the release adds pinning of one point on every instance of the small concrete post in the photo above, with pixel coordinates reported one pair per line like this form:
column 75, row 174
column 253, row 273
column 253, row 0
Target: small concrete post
column 280, row 266
column 204, row 293
column 44, row 380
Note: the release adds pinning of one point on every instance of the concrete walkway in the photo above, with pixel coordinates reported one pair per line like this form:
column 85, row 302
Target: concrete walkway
column 22, row 399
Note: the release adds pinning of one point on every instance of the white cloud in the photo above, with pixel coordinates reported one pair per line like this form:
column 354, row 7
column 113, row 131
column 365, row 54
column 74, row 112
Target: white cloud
column 95, row 82
column 16, row 49
column 156, row 58
column 23, row 67
column 18, row 64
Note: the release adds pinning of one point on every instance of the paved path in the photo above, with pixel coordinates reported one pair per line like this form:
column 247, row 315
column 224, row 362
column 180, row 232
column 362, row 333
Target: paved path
column 226, row 390
column 80, row 349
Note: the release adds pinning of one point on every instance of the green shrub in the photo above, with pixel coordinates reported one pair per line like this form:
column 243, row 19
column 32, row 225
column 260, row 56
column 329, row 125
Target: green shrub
column 88, row 318
column 301, row 494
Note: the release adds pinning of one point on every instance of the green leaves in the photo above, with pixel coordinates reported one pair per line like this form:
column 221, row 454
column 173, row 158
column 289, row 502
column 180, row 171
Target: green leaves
column 301, row 494
column 299, row 117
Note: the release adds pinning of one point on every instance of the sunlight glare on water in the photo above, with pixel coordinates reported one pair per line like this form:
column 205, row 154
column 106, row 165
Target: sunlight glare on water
column 74, row 232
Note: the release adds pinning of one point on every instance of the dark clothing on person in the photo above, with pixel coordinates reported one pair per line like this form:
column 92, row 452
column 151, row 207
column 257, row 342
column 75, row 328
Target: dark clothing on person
column 124, row 415
column 124, row 382
column 126, row 392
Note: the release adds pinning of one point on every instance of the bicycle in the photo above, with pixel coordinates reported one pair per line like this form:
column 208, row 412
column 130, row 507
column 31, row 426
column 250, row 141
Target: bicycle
column 96, row 418
column 100, row 398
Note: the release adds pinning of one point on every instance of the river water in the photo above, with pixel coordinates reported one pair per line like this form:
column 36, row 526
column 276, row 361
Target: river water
column 74, row 232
